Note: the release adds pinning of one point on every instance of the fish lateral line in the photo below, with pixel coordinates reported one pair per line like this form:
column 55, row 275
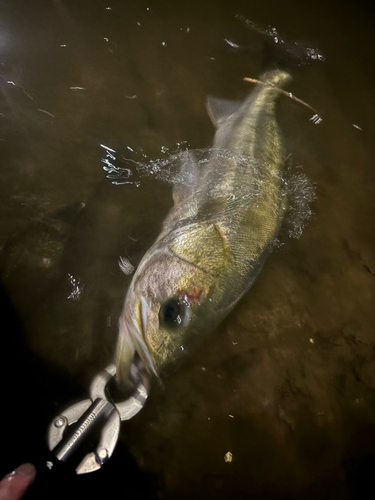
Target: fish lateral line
column 137, row 335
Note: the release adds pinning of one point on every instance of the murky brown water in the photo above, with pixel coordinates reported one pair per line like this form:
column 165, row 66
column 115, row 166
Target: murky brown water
column 286, row 383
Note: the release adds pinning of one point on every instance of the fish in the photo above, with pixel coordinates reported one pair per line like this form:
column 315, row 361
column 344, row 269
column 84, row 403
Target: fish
column 227, row 212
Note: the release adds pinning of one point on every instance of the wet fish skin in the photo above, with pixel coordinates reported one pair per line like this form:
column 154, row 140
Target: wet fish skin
column 225, row 218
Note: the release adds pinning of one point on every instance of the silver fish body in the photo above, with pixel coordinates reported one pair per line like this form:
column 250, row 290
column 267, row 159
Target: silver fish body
column 227, row 212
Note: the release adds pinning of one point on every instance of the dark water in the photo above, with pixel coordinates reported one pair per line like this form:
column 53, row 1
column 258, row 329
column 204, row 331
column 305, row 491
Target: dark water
column 286, row 383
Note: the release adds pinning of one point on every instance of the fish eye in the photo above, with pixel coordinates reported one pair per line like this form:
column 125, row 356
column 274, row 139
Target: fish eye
column 172, row 313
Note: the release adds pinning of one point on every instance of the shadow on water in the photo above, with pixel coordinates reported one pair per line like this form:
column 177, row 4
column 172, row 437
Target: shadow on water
column 286, row 384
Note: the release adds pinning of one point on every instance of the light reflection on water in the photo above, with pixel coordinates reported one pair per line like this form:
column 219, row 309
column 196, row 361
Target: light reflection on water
column 285, row 386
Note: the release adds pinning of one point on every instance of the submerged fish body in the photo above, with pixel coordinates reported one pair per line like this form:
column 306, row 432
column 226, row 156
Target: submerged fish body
column 227, row 212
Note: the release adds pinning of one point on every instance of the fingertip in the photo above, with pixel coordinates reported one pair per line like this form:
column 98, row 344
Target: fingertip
column 14, row 485
column 28, row 471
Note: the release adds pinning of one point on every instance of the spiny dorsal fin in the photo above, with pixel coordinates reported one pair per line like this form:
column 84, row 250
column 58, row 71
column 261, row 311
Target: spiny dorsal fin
column 188, row 177
column 220, row 109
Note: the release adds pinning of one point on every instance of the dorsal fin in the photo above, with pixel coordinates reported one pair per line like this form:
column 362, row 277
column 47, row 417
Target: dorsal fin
column 187, row 182
column 220, row 109
column 184, row 191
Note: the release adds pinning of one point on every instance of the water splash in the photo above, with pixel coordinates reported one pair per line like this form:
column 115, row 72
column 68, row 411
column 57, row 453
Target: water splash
column 296, row 49
column 77, row 288
column 118, row 175
column 185, row 169
column 126, row 266
column 301, row 193
column 316, row 119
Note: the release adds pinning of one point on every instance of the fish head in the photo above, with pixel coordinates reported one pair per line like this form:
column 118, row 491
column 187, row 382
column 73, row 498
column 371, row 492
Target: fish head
column 167, row 305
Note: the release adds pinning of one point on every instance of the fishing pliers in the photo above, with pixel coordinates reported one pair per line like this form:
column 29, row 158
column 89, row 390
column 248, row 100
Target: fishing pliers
column 98, row 416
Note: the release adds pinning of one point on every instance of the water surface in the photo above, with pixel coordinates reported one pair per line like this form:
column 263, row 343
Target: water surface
column 286, row 384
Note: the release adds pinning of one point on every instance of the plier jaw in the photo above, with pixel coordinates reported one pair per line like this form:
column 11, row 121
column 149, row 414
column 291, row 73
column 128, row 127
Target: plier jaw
column 73, row 428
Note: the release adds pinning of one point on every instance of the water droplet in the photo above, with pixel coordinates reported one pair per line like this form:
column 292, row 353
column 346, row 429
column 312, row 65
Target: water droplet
column 77, row 287
column 125, row 265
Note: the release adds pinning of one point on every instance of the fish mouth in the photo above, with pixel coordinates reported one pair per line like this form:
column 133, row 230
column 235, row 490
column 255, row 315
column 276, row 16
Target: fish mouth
column 133, row 353
column 142, row 318
column 137, row 327
column 125, row 358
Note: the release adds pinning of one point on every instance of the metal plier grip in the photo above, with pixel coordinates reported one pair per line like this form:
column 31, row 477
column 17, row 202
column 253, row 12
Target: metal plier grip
column 70, row 429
